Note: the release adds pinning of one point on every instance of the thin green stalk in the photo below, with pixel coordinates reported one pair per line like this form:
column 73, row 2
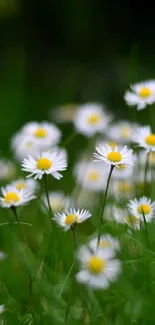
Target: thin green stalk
column 15, row 223
column 145, row 171
column 47, row 195
column 148, row 275
column 67, row 311
column 19, row 223
column 67, row 276
column 30, row 298
column 104, row 203
column 25, row 241
column 68, row 140
column 74, row 236
column 146, row 230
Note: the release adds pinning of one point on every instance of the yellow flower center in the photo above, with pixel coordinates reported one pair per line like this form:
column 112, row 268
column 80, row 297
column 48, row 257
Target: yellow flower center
column 125, row 132
column 44, row 163
column 150, row 139
column 121, row 166
column 93, row 175
column 56, row 204
column 94, row 119
column 71, row 219
column 131, row 220
column 21, row 185
column 96, row 264
column 112, row 145
column 144, row 92
column 11, row 197
column 114, row 156
column 144, row 208
column 40, row 133
column 104, row 243
column 124, row 187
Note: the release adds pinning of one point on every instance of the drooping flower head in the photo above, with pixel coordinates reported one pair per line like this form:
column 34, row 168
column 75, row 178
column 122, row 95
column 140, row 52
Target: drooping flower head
column 71, row 218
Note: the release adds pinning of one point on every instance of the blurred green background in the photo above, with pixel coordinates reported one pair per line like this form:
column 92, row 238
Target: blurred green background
column 55, row 52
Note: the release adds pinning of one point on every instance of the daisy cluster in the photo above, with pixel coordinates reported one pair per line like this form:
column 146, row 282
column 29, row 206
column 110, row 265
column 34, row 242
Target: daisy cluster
column 111, row 181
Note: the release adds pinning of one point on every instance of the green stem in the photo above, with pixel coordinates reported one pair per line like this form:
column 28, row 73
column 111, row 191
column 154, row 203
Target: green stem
column 148, row 268
column 104, row 203
column 145, row 172
column 30, row 298
column 15, row 223
column 68, row 140
column 47, row 195
column 13, row 208
column 146, row 230
column 74, row 237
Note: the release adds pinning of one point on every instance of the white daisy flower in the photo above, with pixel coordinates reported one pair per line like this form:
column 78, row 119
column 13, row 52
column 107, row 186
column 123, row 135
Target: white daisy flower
column 145, row 138
column 45, row 134
column 33, row 138
column 122, row 132
column 2, row 308
column 23, row 145
column 91, row 119
column 142, row 158
column 29, row 184
column 2, row 256
column 123, row 172
column 122, row 216
column 115, row 156
column 45, row 163
column 121, row 188
column 58, row 201
column 142, row 206
column 64, row 113
column 14, row 197
column 7, row 169
column 98, row 269
column 71, row 218
column 141, row 94
column 90, row 175
column 107, row 242
column 83, row 198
